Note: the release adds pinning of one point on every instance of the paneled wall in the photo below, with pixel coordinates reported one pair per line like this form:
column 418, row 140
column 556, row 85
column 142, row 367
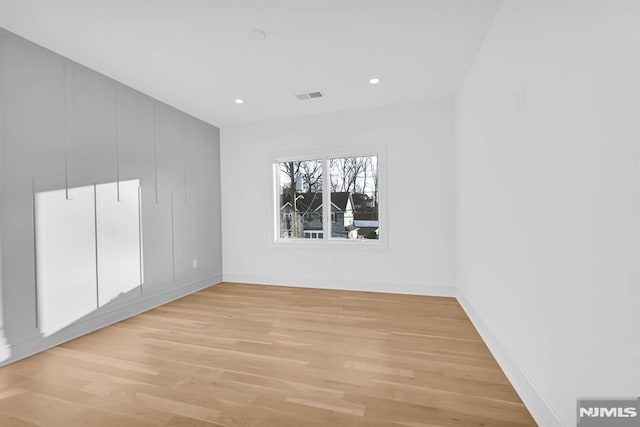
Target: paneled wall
column 65, row 126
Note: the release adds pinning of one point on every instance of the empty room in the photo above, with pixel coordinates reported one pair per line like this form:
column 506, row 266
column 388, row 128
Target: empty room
column 407, row 213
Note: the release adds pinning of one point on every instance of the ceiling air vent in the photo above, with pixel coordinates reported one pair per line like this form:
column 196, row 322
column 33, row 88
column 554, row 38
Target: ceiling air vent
column 310, row 95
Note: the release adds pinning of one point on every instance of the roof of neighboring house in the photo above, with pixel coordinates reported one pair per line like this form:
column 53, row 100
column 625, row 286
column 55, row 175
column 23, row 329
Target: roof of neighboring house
column 311, row 202
column 340, row 199
column 366, row 223
column 359, row 198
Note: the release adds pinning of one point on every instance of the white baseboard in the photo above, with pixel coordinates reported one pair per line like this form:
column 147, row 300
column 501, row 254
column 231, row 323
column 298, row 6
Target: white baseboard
column 5, row 349
column 537, row 405
column 92, row 323
column 410, row 288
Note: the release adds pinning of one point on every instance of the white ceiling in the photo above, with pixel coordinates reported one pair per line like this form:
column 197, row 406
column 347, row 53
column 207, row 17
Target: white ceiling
column 197, row 54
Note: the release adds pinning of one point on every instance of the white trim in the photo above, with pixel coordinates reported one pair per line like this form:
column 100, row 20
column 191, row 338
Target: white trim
column 537, row 405
column 331, row 152
column 5, row 348
column 100, row 320
column 327, row 224
column 407, row 288
column 275, row 220
column 333, row 243
column 325, row 155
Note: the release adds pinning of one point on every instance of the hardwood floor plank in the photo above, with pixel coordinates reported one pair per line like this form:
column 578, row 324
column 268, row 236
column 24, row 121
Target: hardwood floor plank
column 336, row 406
column 180, row 408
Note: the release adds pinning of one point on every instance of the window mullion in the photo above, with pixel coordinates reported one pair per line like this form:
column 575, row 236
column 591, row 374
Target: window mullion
column 276, row 202
column 326, row 200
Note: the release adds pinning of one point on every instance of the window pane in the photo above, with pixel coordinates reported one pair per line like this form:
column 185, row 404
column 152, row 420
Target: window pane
column 301, row 199
column 354, row 197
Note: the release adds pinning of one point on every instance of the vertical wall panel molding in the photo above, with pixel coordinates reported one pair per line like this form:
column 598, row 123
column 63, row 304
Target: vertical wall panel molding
column 198, row 242
column 2, row 181
column 68, row 126
column 118, row 140
column 2, row 131
column 4, row 347
column 155, row 148
column 184, row 156
column 141, row 237
column 72, row 154
column 35, row 253
column 95, row 230
column 173, row 239
column 2, row 173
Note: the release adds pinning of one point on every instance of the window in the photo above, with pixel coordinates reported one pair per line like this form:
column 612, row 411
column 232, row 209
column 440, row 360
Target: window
column 300, row 194
column 328, row 198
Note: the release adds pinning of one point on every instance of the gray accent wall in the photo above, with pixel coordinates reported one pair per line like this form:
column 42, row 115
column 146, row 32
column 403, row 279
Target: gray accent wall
column 62, row 126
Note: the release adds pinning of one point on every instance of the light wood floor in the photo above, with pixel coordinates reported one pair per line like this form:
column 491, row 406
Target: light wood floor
column 247, row 355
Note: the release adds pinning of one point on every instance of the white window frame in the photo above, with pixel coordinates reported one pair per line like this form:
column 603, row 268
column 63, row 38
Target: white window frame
column 325, row 156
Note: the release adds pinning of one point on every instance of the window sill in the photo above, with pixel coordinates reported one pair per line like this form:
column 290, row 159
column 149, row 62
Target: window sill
column 364, row 244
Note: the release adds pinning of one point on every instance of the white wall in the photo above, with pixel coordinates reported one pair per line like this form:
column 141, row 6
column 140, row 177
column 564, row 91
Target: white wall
column 419, row 257
column 638, row 175
column 547, row 162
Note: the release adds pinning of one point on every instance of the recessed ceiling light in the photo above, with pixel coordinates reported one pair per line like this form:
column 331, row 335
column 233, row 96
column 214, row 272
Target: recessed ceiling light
column 239, row 101
column 374, row 81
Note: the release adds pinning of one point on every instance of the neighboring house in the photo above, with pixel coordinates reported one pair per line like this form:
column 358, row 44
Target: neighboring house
column 308, row 221
column 362, row 202
column 366, row 227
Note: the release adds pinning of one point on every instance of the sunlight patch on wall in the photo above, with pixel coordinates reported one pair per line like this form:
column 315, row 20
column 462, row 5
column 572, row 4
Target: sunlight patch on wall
column 88, row 250
column 118, row 243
